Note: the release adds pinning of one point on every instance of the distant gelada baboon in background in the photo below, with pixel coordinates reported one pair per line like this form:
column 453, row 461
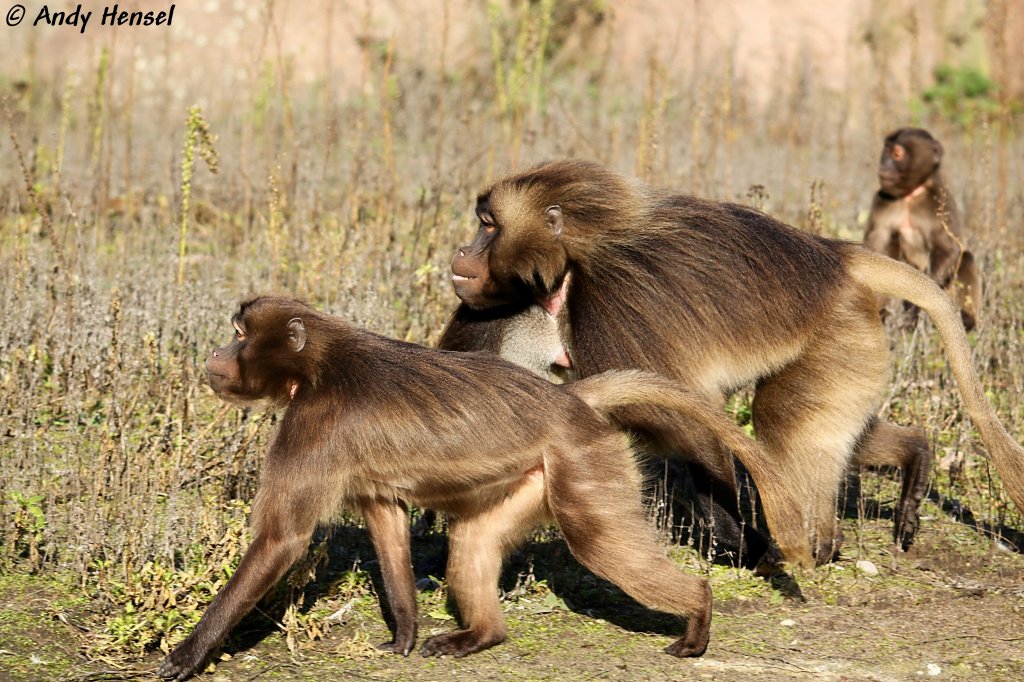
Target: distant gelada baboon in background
column 375, row 424
column 914, row 217
column 719, row 295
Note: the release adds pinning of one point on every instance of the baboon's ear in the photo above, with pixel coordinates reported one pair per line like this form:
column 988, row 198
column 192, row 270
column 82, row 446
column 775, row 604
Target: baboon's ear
column 937, row 150
column 553, row 216
column 296, row 334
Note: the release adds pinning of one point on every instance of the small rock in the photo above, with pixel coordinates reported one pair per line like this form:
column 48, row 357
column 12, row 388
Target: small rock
column 933, row 669
column 866, row 567
column 788, row 623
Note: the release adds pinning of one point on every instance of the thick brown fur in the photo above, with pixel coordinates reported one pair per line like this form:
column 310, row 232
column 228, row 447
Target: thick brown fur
column 717, row 296
column 374, row 424
column 532, row 337
column 914, row 217
column 525, row 335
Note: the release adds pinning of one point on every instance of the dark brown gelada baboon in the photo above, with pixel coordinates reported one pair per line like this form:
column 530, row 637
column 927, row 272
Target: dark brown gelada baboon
column 914, row 217
column 374, row 424
column 718, row 296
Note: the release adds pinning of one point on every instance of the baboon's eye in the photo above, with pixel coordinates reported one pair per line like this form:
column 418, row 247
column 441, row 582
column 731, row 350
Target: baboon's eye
column 898, row 153
column 487, row 223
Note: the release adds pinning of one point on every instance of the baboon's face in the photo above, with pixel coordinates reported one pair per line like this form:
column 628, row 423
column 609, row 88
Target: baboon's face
column 517, row 254
column 909, row 157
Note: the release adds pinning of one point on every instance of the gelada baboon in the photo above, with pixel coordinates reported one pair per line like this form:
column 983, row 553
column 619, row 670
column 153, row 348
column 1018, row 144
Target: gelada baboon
column 718, row 295
column 375, row 424
column 538, row 338
column 915, row 219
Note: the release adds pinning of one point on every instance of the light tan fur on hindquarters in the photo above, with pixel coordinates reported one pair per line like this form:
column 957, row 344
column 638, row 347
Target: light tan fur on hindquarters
column 478, row 543
column 812, row 425
column 592, row 490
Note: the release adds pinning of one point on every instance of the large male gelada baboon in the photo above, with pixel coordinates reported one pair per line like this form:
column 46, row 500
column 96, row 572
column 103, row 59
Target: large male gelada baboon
column 718, row 295
column 375, row 424
column 915, row 219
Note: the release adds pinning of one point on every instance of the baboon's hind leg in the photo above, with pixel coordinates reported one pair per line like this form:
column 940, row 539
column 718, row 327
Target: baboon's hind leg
column 594, row 495
column 719, row 501
column 906, row 448
column 478, row 543
column 810, row 415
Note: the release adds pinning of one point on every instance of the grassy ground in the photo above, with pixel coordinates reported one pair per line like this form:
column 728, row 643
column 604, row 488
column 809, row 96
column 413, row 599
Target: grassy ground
column 131, row 224
column 951, row 608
